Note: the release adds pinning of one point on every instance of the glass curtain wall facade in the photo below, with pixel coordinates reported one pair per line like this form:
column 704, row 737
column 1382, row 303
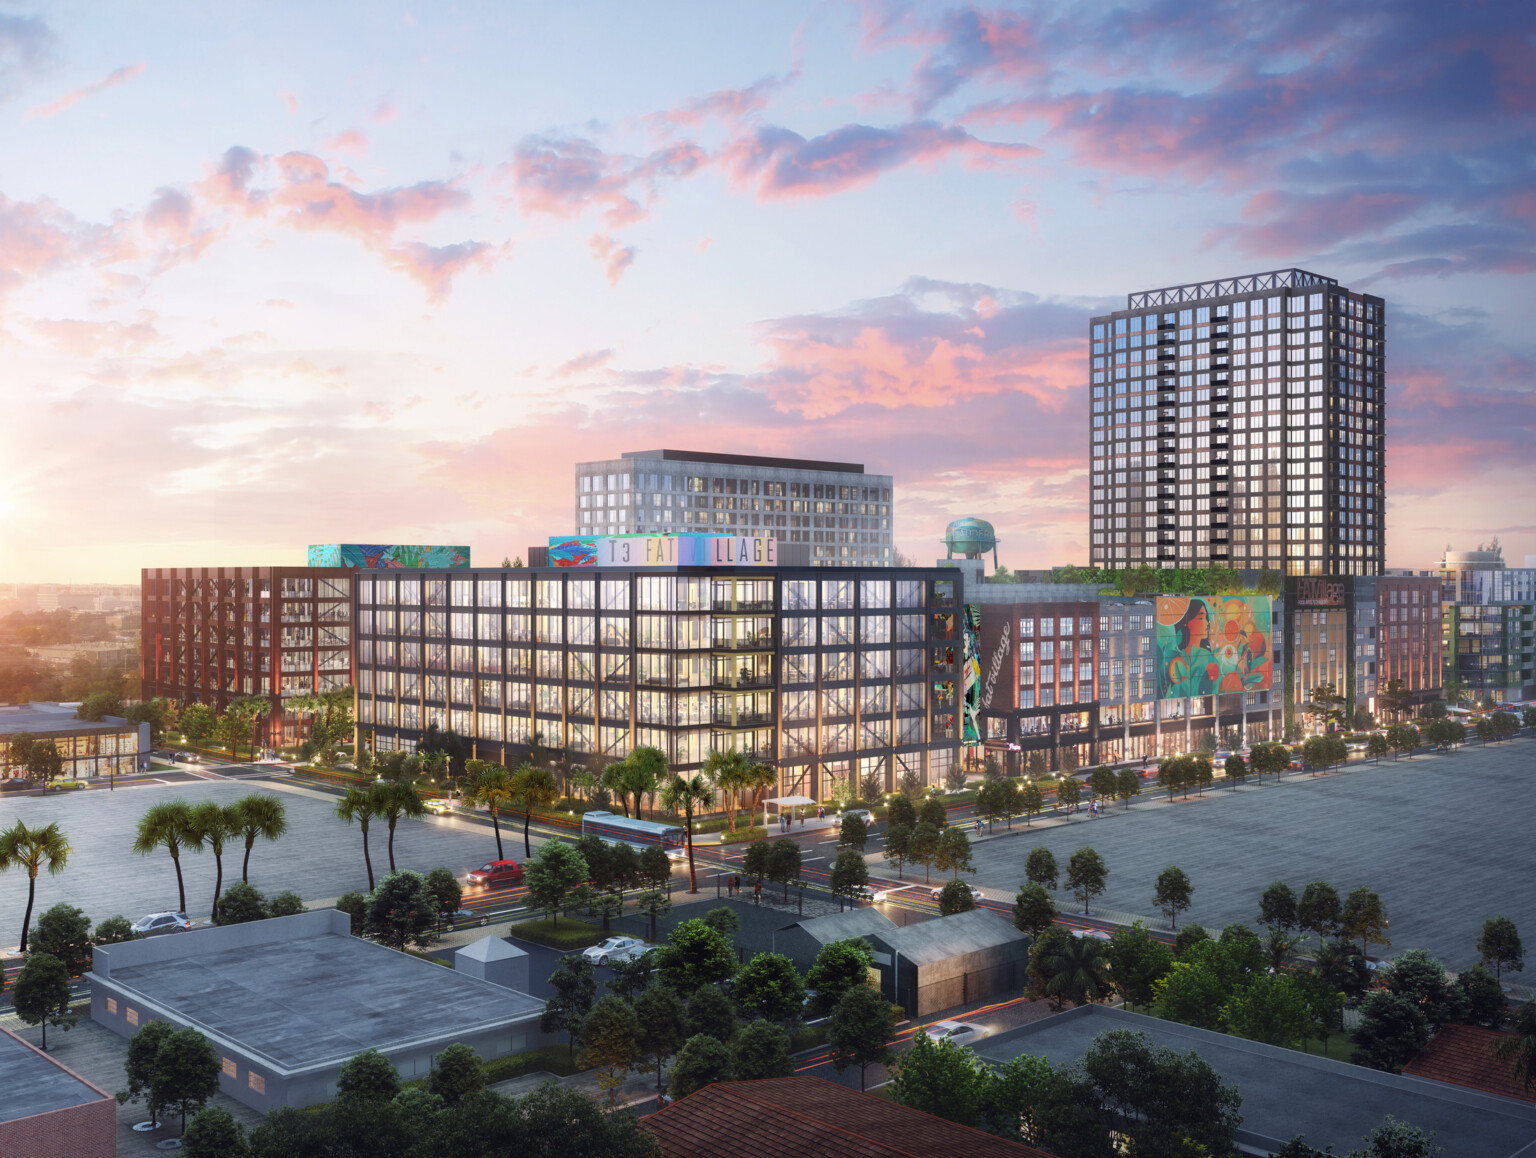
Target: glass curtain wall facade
column 842, row 513
column 828, row 679
column 1240, row 423
column 214, row 634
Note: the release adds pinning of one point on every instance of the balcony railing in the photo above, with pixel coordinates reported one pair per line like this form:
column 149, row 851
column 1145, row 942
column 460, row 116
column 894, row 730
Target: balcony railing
column 742, row 681
column 743, row 643
column 743, row 719
column 741, row 605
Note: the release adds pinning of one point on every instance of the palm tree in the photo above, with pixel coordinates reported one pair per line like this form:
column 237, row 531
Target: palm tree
column 492, row 788
column 533, row 787
column 1519, row 1048
column 613, row 780
column 728, row 772
column 358, row 805
column 390, row 802
column 21, row 845
column 681, row 795
column 258, row 815
column 1075, row 970
column 169, row 823
column 759, row 779
column 214, row 825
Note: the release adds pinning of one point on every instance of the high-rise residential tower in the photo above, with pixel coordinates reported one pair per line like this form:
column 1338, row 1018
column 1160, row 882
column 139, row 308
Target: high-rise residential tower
column 1240, row 423
column 843, row 513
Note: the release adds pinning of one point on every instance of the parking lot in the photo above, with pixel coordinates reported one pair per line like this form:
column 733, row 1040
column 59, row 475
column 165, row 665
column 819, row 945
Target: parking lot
column 1446, row 840
column 320, row 858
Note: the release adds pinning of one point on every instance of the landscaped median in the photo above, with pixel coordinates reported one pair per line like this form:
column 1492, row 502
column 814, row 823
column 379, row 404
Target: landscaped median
column 567, row 935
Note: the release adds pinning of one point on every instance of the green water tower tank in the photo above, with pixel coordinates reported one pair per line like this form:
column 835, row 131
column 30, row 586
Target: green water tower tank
column 973, row 538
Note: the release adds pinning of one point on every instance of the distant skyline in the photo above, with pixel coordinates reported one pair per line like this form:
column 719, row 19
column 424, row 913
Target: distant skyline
column 277, row 274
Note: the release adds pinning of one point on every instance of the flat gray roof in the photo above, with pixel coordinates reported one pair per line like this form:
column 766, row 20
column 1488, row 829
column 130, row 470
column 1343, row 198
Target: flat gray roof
column 841, row 926
column 1286, row 1093
column 319, row 999
column 40, row 720
column 32, row 1084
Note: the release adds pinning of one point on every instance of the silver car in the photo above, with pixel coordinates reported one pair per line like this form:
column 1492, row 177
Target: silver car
column 157, row 923
column 614, row 949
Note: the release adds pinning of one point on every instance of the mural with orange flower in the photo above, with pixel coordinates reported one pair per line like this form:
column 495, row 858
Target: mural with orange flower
column 1207, row 645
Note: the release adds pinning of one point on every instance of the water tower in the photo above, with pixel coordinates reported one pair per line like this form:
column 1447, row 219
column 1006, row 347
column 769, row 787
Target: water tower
column 973, row 538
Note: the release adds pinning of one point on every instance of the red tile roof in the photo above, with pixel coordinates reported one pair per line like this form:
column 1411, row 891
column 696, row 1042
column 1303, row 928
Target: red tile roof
column 813, row 1118
column 1459, row 1054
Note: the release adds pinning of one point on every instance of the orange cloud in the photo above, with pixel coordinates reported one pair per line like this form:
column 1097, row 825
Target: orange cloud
column 116, row 77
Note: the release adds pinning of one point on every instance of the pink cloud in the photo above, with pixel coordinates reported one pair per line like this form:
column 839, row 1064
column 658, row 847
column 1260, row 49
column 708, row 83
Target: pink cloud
column 350, row 141
column 116, row 77
column 782, row 164
column 591, row 360
column 729, row 105
column 290, row 102
column 565, row 176
column 384, row 112
column 616, row 258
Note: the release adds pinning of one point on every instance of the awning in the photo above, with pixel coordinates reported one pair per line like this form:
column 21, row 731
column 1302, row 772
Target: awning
column 790, row 801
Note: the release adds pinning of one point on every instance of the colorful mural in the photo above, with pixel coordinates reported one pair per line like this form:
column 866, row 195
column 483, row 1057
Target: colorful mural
column 573, row 552
column 1216, row 644
column 387, row 555
column 970, row 723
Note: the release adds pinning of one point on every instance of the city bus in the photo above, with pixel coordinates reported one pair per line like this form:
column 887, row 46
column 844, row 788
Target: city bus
column 638, row 834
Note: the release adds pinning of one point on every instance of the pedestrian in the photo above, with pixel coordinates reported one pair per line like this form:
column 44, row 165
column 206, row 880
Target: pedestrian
column 736, row 884
column 802, row 818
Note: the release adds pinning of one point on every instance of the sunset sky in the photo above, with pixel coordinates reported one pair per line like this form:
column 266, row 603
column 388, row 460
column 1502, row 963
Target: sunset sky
column 273, row 274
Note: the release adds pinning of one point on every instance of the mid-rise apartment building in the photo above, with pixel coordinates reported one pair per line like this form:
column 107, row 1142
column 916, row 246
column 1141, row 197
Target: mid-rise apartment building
column 841, row 512
column 1489, row 626
column 1240, row 422
column 832, row 678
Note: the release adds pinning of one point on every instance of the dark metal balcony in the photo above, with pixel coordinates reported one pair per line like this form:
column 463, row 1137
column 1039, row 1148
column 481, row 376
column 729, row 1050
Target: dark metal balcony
column 721, row 719
column 740, row 681
column 742, row 606
column 743, row 643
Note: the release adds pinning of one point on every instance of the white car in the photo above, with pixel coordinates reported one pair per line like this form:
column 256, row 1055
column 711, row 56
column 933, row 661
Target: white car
column 976, row 894
column 956, row 1031
column 863, row 814
column 615, row 949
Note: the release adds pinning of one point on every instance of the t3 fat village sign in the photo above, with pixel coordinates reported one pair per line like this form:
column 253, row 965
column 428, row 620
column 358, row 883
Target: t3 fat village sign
column 663, row 551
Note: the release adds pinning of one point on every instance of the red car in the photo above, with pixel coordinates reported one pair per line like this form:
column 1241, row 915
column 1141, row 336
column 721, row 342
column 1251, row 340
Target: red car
column 498, row 872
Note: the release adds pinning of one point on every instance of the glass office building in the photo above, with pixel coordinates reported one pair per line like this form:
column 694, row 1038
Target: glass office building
column 1239, row 423
column 832, row 679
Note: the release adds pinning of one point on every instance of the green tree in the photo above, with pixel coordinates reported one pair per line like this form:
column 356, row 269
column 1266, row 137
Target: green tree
column 533, row 787
column 44, row 762
column 1423, row 981
column 360, row 806
column 241, row 903
column 574, row 987
column 114, row 931
column 1270, row 1009
column 769, row 987
column 1277, row 908
column 853, row 833
column 653, row 904
column 1403, row 738
column 900, row 811
column 552, row 874
column 784, row 863
column 402, row 910
column 633, row 976
column 1391, row 1032
column 727, row 771
column 684, row 795
column 215, row 824
column 761, row 1050
column 1172, row 893
column 139, row 1066
column 214, row 1133
column 31, row 849
column 933, row 812
column 198, row 722
column 1188, row 937
column 1076, row 970
column 1033, row 910
column 493, row 788
column 1342, row 966
column 1365, row 918
column 186, row 1073
column 1137, row 963
column 694, row 956
column 1376, row 746
column 154, row 712
column 169, row 824
column 446, row 888
column 955, row 897
column 1127, row 785
column 286, row 904
column 898, row 846
column 1481, row 996
column 1236, row 770
column 354, row 904
column 1519, row 1049
column 849, row 876
column 258, row 816
column 610, row 1042
column 1191, row 992
column 1104, row 783
column 1087, row 876
column 1035, row 765
column 923, row 847
column 710, row 1012
column 859, row 1030
column 391, row 801
column 941, row 1078
column 368, row 1077
column 954, row 853
column 663, row 1026
column 1319, row 911
column 1173, row 774
column 702, row 1061
column 1499, row 945
column 41, row 993
column 1040, row 868
column 1031, row 800
column 839, row 967
column 1069, row 792
column 65, row 932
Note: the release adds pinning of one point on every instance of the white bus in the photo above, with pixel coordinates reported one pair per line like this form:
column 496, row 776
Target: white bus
column 638, row 834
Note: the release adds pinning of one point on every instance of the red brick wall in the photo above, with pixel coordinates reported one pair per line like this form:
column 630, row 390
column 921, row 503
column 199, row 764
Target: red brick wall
column 88, row 1131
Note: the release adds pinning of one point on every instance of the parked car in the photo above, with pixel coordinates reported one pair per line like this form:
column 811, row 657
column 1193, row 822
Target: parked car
column 863, row 814
column 157, row 923
column 614, row 949
column 976, row 894
column 957, row 1031
column 497, row 872
column 437, row 806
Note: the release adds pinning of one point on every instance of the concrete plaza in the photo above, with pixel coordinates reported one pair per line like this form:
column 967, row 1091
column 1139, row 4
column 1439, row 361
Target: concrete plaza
column 1446, row 839
column 320, row 858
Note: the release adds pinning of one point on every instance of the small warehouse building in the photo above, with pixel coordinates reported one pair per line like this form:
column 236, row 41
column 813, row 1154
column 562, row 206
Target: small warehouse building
column 87, row 749
column 288, row 1000
column 48, row 1110
column 925, row 967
